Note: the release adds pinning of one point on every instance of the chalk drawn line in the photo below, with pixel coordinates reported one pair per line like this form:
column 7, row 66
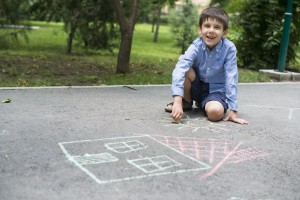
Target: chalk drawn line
column 154, row 164
column 90, row 159
column 217, row 152
column 214, row 169
column 291, row 110
column 214, row 151
column 125, row 147
column 197, row 123
column 160, row 165
column 3, row 132
column 209, row 148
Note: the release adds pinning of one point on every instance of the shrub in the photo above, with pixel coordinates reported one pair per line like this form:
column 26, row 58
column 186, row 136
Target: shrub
column 261, row 25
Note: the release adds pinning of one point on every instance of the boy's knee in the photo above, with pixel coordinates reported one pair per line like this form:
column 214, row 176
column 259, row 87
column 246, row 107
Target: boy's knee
column 215, row 113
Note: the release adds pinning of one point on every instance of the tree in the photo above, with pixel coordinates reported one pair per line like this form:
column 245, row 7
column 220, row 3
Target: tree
column 13, row 15
column 184, row 25
column 91, row 20
column 159, row 4
column 127, row 23
column 71, row 12
column 260, row 33
column 159, row 7
column 98, row 29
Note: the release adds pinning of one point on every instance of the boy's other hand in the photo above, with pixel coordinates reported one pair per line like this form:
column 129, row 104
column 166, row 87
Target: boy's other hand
column 233, row 116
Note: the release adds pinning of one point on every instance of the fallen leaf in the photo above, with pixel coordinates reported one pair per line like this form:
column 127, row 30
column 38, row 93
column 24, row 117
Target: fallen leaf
column 6, row 101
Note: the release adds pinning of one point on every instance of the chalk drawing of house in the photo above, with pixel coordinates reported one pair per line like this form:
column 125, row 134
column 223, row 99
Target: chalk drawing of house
column 128, row 158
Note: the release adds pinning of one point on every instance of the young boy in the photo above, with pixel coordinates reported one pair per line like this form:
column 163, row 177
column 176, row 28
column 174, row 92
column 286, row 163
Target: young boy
column 207, row 72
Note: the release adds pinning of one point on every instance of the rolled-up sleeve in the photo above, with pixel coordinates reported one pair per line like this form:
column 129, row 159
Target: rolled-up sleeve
column 184, row 63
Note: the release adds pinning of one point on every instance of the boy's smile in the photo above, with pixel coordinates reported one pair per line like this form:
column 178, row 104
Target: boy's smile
column 212, row 32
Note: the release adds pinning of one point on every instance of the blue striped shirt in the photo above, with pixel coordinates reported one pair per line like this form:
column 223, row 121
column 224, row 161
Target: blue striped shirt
column 218, row 67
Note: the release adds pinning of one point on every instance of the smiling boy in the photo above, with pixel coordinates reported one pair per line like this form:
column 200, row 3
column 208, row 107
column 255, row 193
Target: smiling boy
column 207, row 72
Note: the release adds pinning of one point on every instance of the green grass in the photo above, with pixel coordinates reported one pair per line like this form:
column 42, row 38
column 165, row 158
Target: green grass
column 43, row 62
column 298, row 60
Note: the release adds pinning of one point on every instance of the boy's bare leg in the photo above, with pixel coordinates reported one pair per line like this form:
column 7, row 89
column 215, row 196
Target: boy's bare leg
column 177, row 110
column 214, row 111
column 189, row 78
column 176, row 107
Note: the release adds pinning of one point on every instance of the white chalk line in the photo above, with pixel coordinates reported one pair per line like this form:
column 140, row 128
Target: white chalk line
column 90, row 159
column 71, row 159
column 95, row 140
column 194, row 159
column 3, row 132
column 277, row 107
column 125, row 147
column 90, row 174
column 196, row 124
column 150, row 162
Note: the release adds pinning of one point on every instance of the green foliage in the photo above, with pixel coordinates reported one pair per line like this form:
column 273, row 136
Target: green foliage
column 12, row 11
column 42, row 62
column 221, row 3
column 145, row 8
column 184, row 23
column 91, row 22
column 13, row 15
column 98, row 29
column 260, row 23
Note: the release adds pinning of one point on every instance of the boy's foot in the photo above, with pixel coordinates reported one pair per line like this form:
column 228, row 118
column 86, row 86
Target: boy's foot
column 186, row 106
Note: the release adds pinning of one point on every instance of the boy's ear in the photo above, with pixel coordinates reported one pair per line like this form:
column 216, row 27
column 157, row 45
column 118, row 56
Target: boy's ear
column 199, row 30
column 225, row 32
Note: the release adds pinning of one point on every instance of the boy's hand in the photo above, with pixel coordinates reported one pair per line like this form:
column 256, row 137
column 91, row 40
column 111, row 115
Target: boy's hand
column 233, row 116
column 177, row 110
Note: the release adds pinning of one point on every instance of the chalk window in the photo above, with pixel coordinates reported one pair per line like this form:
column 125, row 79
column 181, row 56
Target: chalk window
column 125, row 147
column 154, row 164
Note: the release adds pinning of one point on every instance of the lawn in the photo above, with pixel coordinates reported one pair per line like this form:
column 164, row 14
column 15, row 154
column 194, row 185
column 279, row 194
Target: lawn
column 43, row 62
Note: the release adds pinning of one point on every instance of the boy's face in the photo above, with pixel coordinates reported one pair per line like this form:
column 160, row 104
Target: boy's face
column 212, row 32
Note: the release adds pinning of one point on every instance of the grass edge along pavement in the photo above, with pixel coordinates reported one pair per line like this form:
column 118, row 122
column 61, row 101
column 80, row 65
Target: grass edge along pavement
column 43, row 62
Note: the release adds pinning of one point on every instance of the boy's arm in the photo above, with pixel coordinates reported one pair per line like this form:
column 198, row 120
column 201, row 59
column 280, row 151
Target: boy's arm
column 178, row 76
column 231, row 72
column 184, row 63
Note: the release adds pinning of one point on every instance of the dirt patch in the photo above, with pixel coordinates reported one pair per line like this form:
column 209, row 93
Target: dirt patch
column 62, row 71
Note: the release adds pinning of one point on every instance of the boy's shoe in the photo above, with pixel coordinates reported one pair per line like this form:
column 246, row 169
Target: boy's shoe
column 186, row 106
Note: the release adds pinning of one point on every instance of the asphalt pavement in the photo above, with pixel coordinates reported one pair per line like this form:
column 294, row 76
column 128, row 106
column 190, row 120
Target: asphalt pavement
column 116, row 142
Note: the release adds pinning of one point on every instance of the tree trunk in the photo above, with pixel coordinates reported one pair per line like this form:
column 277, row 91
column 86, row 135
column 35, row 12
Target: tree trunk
column 126, row 27
column 124, row 54
column 70, row 42
column 157, row 21
column 153, row 24
column 71, row 36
